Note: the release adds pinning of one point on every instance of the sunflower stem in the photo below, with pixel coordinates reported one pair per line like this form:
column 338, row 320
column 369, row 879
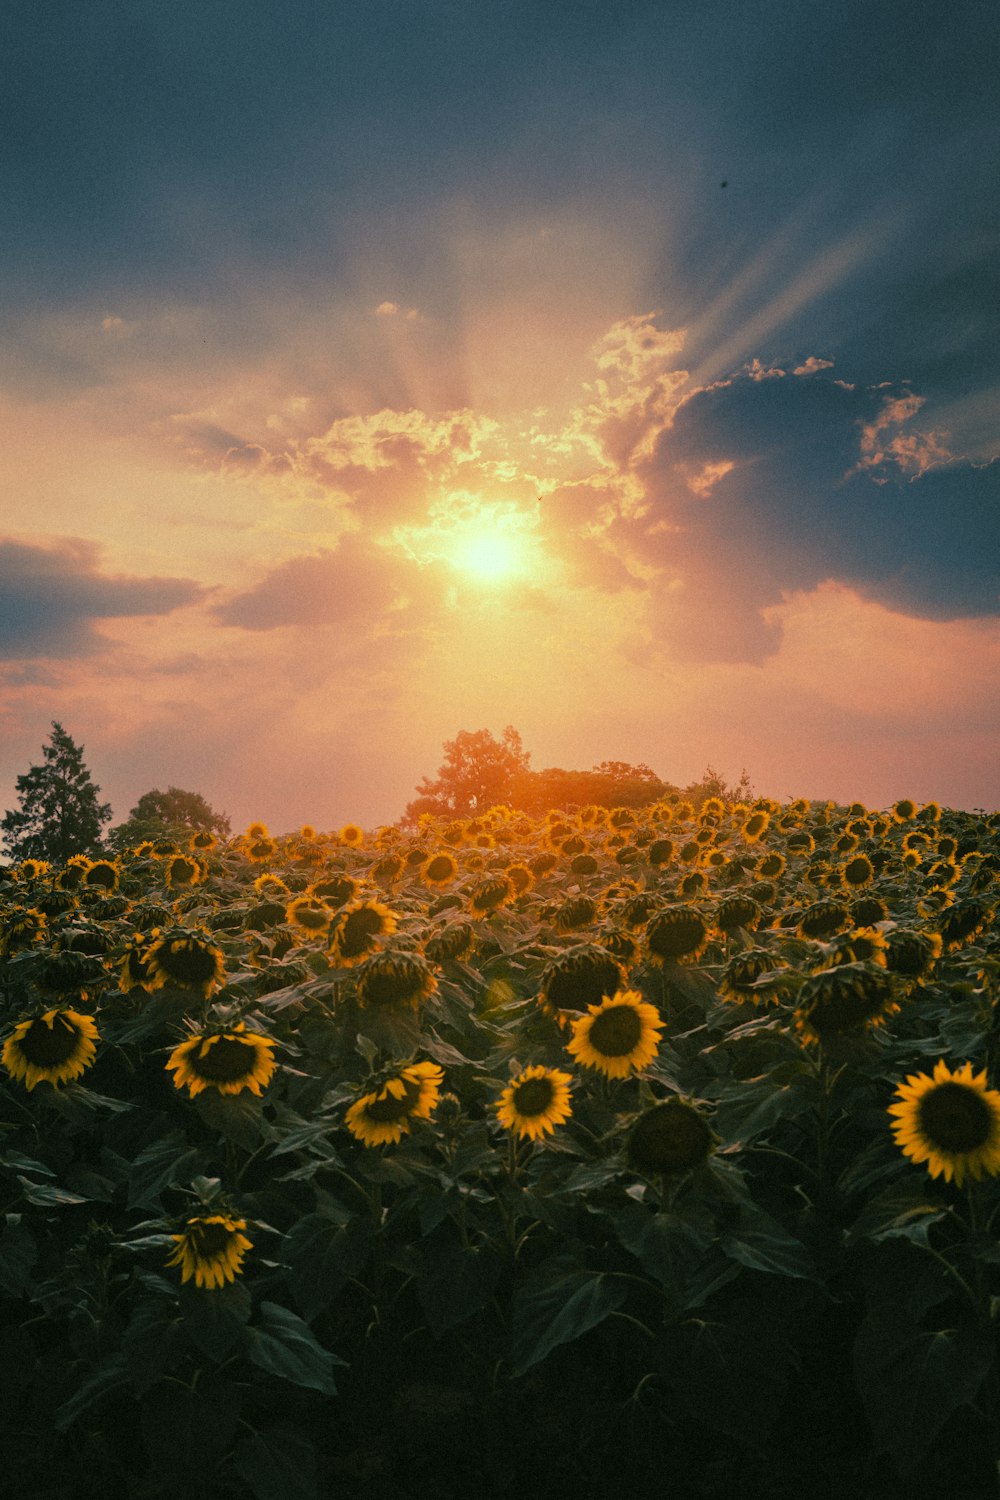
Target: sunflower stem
column 982, row 1306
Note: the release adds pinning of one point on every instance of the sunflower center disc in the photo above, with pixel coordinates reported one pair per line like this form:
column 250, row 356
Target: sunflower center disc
column 47, row 1046
column 616, row 1032
column 533, row 1097
column 388, row 1110
column 226, row 1061
column 955, row 1118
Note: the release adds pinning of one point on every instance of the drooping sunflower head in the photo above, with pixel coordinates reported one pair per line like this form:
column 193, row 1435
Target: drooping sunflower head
column 309, row 915
column 358, row 930
column 259, row 851
column 861, row 945
column 271, row 887
column 451, row 942
column 387, row 869
column 660, row 852
column 619, row 1036
column 574, row 912
column 384, row 1115
column 102, row 873
column 489, row 894
column 964, row 922
column 21, row 929
column 755, row 827
column 521, row 878
column 669, row 1139
column 677, row 933
column 54, row 1048
column 336, row 890
column 867, row 910
column 395, row 978
column 182, row 871
column 228, row 1059
column 211, row 1249
column 738, row 912
column 440, row 870
column 770, row 866
column 578, row 978
column 822, row 919
column 535, row 1102
column 202, row 841
column 844, row 1000
column 951, row 1121
column 742, row 975
column 911, row 953
column 186, row 959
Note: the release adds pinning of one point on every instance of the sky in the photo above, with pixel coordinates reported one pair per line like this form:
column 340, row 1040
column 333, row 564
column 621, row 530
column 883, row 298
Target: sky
column 626, row 373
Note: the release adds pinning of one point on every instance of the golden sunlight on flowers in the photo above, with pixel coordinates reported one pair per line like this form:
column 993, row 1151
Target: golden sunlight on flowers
column 52, row 1048
column 618, row 1037
column 385, row 1115
column 951, row 1121
column 228, row 1060
column 210, row 1248
column 535, row 1102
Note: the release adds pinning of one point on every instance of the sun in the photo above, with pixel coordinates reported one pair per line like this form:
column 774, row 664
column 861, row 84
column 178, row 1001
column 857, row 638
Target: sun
column 488, row 554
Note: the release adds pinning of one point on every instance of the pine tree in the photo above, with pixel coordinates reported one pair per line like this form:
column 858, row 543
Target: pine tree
column 59, row 814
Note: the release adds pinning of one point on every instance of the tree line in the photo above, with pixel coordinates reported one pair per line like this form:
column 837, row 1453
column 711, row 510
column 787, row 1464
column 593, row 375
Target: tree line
column 60, row 812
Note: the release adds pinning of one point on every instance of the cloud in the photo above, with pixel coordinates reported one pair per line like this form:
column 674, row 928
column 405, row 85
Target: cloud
column 52, row 595
column 354, row 587
column 811, row 480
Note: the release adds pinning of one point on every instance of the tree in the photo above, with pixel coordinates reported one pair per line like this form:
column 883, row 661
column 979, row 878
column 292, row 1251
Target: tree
column 167, row 814
column 476, row 774
column 712, row 783
column 59, row 813
column 613, row 783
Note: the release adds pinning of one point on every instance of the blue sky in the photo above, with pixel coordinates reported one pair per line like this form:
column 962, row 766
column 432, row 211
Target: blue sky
column 698, row 302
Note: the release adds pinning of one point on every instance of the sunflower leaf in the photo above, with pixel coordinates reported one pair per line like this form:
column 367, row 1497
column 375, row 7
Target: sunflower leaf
column 278, row 1464
column 284, row 1345
column 18, row 1254
column 47, row 1196
column 558, row 1304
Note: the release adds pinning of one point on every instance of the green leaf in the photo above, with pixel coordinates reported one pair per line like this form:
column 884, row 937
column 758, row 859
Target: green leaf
column 761, row 1244
column 750, row 1108
column 108, row 1377
column 18, row 1254
column 284, row 1345
column 187, row 1432
column 163, row 1164
column 19, row 1163
column 46, row 1196
column 239, row 1117
column 455, row 1282
column 214, row 1317
column 322, row 1255
column 902, row 1209
column 278, row 1464
column 912, row 1383
column 558, row 1304
column 153, row 1344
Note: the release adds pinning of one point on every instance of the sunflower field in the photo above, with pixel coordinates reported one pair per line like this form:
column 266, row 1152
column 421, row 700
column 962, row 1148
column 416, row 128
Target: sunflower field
column 527, row 1157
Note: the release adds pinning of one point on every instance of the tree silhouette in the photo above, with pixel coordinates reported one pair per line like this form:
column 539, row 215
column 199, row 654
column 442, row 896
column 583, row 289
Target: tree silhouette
column 476, row 774
column 158, row 814
column 59, row 813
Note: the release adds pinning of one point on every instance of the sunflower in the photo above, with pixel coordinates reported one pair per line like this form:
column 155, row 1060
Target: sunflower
column 491, row 893
column 383, row 1116
column 677, row 932
column 355, row 933
column 388, row 869
column 845, row 1000
column 310, row 915
column 450, row 943
column 576, row 911
column 822, row 919
column 578, row 978
column 52, row 1048
column 257, row 831
column 272, row 887
column 210, row 1248
column 521, row 878
column 102, row 873
column 182, row 870
column 911, row 953
column 660, row 852
column 185, row 959
column 671, row 1138
column 904, row 810
column 535, row 1102
column 395, row 979
column 260, row 851
column 965, row 922
column 951, row 1121
column 755, row 827
column 857, row 872
column 439, row 870
column 740, row 979
column 619, row 1036
column 20, row 930
column 203, row 841
column 335, row 889
column 352, row 835
column 228, row 1060
column 34, row 869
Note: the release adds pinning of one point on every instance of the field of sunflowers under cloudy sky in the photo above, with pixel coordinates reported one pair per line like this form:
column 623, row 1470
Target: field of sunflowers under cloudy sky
column 506, row 1155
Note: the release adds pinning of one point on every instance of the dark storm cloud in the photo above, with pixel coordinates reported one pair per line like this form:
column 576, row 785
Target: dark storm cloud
column 51, row 597
column 817, row 491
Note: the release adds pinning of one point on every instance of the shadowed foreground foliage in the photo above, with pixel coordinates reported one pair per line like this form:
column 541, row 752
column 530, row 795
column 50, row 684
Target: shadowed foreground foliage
column 718, row 1274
